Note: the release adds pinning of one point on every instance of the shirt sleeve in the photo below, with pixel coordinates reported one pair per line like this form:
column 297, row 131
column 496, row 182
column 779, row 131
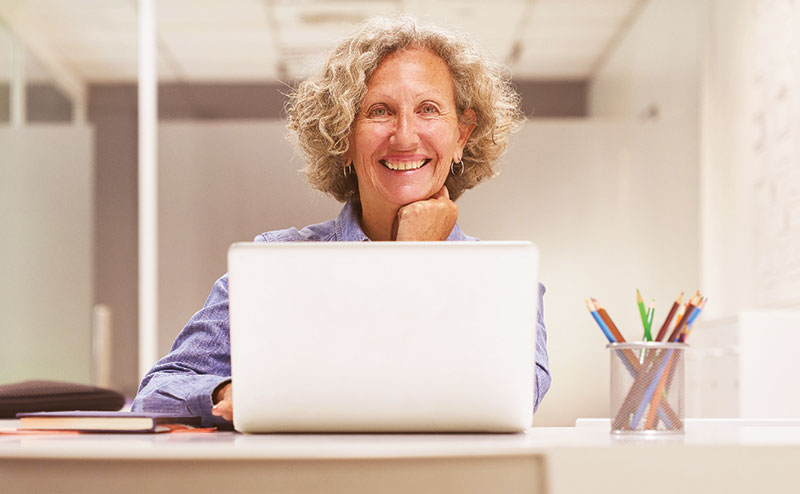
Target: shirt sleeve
column 542, row 378
column 183, row 381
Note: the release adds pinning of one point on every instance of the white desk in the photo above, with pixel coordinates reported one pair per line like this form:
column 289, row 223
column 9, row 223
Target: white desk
column 713, row 456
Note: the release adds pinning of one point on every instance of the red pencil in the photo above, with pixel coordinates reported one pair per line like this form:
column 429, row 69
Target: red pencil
column 664, row 327
column 682, row 323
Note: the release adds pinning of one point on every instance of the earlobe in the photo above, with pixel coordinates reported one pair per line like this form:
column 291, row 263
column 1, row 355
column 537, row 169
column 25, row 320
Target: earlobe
column 466, row 125
column 348, row 167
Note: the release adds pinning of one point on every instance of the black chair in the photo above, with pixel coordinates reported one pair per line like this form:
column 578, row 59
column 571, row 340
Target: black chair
column 53, row 396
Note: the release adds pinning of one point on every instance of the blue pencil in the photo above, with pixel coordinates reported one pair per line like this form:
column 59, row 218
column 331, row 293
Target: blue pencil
column 600, row 322
column 690, row 323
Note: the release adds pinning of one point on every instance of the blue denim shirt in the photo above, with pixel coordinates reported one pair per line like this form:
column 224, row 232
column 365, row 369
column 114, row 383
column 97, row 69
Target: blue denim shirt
column 200, row 359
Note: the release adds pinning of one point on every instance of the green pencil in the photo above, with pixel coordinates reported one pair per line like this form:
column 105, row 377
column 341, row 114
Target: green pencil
column 642, row 311
column 649, row 322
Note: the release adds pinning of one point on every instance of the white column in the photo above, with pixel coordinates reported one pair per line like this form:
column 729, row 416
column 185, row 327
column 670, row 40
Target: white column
column 18, row 110
column 27, row 31
column 79, row 111
column 101, row 346
column 148, row 188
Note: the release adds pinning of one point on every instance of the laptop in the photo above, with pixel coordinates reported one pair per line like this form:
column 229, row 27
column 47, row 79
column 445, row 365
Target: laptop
column 383, row 336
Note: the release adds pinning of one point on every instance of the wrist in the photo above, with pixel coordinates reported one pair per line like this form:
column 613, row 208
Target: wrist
column 215, row 392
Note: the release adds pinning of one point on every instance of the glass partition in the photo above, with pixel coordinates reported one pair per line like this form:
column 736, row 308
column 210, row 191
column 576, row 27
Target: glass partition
column 5, row 74
column 47, row 188
column 45, row 101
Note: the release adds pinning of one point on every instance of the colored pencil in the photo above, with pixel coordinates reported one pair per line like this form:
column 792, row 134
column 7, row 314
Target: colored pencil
column 690, row 324
column 666, row 377
column 642, row 311
column 609, row 323
column 651, row 310
column 612, row 334
column 628, row 357
column 651, row 396
column 646, row 374
column 657, row 371
column 681, row 312
column 664, row 327
column 600, row 322
column 655, row 398
column 690, row 307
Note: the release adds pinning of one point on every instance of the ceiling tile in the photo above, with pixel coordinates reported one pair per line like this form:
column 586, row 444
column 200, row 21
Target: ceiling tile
column 251, row 40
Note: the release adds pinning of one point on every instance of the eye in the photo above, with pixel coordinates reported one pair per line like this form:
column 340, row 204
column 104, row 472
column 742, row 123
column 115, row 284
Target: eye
column 428, row 109
column 377, row 111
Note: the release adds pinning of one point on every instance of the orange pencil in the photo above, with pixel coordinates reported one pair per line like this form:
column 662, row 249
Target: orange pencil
column 656, row 401
column 669, row 371
column 607, row 319
column 681, row 312
column 628, row 354
column 680, row 325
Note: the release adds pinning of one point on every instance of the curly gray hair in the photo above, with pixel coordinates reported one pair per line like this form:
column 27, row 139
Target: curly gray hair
column 322, row 109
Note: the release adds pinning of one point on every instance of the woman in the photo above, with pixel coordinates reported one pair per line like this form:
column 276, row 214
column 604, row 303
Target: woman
column 401, row 121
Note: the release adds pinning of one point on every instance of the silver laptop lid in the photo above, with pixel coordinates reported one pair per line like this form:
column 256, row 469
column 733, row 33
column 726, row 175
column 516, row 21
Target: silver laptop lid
column 384, row 336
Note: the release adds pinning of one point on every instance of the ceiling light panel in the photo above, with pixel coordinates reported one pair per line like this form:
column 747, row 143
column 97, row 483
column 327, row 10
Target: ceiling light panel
column 216, row 41
column 319, row 23
column 306, row 30
column 494, row 25
column 81, row 33
column 565, row 38
column 582, row 9
column 210, row 14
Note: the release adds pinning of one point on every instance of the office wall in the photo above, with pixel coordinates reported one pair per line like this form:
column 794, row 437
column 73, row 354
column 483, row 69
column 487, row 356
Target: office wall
column 751, row 210
column 751, row 154
column 46, row 265
column 112, row 113
column 742, row 102
column 597, row 197
column 221, row 182
column 728, row 72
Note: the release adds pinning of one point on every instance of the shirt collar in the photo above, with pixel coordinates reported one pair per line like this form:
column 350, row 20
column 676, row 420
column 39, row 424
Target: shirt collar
column 458, row 235
column 348, row 228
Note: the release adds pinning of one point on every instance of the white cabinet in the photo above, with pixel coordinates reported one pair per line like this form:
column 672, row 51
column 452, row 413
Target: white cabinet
column 745, row 366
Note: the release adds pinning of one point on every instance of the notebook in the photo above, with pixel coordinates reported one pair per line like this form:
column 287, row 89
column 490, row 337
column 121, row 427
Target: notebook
column 103, row 421
column 383, row 336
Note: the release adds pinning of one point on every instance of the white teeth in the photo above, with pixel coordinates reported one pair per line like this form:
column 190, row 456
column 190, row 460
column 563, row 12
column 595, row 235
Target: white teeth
column 403, row 165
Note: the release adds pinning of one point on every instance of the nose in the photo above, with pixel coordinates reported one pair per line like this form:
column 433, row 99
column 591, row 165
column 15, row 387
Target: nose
column 404, row 135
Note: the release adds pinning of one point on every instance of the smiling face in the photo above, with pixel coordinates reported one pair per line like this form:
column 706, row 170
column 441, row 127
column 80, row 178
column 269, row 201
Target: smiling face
column 407, row 131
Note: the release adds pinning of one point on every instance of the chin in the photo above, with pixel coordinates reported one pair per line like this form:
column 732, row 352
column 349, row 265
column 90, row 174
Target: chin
column 406, row 196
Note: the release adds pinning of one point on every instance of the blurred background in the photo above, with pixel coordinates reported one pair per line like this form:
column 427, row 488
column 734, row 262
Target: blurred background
column 662, row 152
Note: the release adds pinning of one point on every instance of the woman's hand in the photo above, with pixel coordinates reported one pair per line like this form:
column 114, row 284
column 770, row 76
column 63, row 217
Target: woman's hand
column 431, row 219
column 224, row 406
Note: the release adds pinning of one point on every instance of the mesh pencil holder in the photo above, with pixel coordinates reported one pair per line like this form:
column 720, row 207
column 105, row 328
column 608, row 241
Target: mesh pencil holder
column 647, row 388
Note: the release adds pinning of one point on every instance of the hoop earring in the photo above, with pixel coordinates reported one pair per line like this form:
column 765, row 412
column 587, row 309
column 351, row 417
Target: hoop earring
column 457, row 168
column 348, row 170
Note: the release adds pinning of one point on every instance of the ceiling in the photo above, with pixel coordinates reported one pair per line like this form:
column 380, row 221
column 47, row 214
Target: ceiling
column 89, row 41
